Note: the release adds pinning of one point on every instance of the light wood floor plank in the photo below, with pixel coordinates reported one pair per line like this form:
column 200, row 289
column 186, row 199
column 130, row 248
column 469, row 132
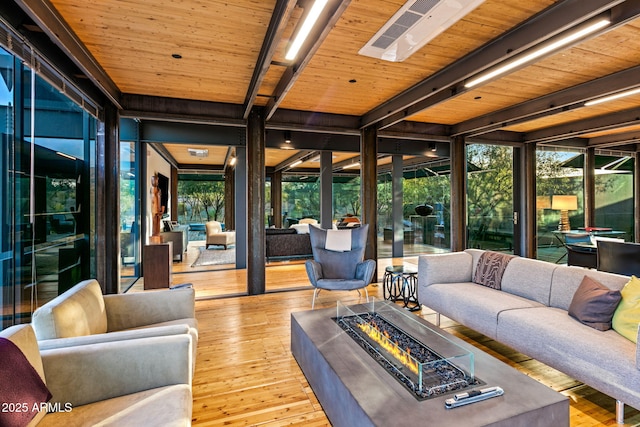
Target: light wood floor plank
column 246, row 376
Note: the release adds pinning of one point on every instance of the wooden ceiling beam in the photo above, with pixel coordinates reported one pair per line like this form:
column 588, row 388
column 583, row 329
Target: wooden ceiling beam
column 446, row 83
column 279, row 19
column 333, row 11
column 558, row 102
column 49, row 20
column 582, row 127
column 617, row 140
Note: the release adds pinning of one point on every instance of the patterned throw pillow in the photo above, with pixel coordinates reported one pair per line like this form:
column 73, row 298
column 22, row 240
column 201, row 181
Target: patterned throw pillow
column 490, row 269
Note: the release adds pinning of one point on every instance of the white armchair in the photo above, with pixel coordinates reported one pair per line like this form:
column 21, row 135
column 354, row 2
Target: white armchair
column 82, row 315
column 91, row 384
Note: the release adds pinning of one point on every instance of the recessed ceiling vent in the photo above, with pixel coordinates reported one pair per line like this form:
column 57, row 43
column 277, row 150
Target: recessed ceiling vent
column 197, row 152
column 414, row 25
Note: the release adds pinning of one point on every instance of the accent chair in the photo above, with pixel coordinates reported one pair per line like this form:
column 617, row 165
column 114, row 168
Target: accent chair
column 338, row 260
column 215, row 235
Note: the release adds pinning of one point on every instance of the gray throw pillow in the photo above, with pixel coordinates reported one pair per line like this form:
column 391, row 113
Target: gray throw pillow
column 593, row 304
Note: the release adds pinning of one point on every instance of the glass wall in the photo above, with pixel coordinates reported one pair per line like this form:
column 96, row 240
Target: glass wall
column 300, row 198
column 490, row 197
column 557, row 173
column 48, row 189
column 129, row 215
column 614, row 194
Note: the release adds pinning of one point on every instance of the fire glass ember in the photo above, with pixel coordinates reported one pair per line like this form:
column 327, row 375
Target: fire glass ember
column 419, row 368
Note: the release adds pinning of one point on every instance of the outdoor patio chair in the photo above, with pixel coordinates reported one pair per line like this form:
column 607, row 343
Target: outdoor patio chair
column 338, row 260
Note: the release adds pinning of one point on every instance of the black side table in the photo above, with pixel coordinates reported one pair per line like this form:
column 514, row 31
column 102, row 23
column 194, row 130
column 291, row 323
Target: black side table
column 400, row 284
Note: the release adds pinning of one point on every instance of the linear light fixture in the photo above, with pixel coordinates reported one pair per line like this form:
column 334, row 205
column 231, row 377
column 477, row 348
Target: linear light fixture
column 612, row 97
column 351, row 165
column 305, row 29
column 296, row 163
column 543, row 49
column 232, row 162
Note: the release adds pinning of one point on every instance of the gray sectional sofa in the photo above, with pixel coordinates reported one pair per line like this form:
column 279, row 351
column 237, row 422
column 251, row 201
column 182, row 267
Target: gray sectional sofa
column 530, row 314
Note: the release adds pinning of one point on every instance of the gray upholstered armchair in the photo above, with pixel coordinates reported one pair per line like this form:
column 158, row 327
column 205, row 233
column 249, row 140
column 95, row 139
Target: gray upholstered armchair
column 338, row 260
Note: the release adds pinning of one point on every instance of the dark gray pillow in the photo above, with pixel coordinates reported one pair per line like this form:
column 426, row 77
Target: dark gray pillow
column 593, row 304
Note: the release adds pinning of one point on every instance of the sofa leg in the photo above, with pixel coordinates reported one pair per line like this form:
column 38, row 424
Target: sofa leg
column 619, row 412
column 437, row 319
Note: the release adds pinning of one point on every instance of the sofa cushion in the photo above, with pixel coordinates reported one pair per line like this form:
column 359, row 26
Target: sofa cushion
column 490, row 269
column 473, row 305
column 604, row 360
column 566, row 280
column 627, row 316
column 21, row 385
column 593, row 304
column 529, row 278
column 78, row 311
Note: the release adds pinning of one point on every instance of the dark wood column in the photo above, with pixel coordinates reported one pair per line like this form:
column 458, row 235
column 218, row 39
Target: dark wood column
column 397, row 201
column 524, row 190
column 276, row 198
column 229, row 198
column 255, row 202
column 589, row 174
column 174, row 194
column 108, row 200
column 240, row 207
column 326, row 189
column 369, row 189
column 458, row 194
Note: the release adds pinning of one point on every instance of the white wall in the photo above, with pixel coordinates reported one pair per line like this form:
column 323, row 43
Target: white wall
column 155, row 164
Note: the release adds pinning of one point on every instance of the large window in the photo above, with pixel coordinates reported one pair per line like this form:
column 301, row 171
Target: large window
column 47, row 189
column 490, row 197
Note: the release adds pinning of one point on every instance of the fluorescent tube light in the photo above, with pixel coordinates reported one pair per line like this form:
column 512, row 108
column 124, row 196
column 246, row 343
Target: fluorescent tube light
column 232, row 161
column 542, row 50
column 305, row 29
column 352, row 165
column 612, row 97
column 296, row 163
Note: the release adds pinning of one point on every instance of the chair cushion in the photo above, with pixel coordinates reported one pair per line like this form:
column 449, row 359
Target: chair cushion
column 164, row 406
column 340, row 284
column 78, row 311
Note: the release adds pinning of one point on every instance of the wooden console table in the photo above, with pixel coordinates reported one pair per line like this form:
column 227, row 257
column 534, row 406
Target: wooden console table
column 156, row 265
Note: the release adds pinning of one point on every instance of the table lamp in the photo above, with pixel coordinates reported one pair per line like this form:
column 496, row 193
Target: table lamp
column 564, row 204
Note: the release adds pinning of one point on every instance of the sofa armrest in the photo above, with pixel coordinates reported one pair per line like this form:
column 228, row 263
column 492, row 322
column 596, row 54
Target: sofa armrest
column 444, row 268
column 158, row 331
column 92, row 373
column 127, row 311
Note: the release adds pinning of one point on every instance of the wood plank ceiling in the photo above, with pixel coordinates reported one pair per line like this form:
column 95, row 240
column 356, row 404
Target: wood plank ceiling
column 221, row 44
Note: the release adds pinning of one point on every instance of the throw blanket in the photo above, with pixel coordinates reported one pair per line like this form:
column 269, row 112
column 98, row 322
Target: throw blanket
column 338, row 240
column 490, row 269
column 21, row 384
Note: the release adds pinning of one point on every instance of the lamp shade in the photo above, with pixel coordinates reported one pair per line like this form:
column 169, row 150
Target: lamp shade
column 564, row 202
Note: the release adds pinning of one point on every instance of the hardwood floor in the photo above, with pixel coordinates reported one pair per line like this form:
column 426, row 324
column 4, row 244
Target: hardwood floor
column 246, row 375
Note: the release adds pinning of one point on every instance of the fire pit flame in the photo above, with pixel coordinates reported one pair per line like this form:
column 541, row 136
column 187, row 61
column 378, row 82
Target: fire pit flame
column 384, row 339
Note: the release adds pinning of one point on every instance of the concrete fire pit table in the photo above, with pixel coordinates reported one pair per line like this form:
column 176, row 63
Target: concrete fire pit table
column 355, row 390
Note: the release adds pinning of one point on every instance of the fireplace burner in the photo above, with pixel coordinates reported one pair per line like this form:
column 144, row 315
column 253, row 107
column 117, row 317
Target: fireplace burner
column 427, row 372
